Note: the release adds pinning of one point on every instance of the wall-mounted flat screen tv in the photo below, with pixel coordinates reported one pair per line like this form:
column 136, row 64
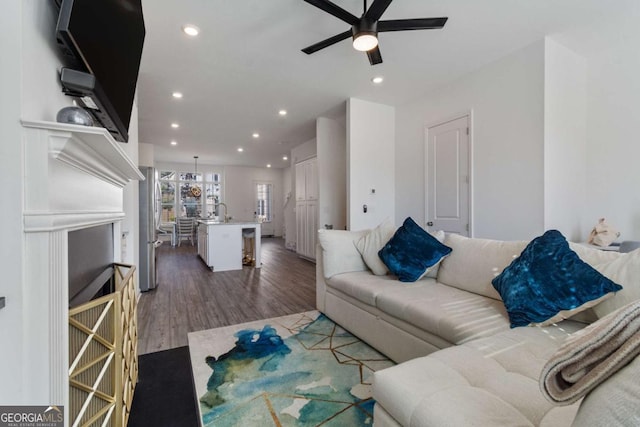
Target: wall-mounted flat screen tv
column 106, row 38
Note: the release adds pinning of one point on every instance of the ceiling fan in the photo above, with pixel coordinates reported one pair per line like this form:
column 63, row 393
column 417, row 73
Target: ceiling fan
column 365, row 29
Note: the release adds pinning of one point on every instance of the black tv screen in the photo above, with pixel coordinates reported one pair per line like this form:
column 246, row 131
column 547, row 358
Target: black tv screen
column 107, row 37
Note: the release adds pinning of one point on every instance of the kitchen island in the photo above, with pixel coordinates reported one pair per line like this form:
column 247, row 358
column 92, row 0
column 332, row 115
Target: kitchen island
column 220, row 243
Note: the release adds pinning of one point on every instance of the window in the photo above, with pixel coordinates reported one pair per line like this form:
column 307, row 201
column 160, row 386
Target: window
column 168, row 191
column 189, row 194
column 212, row 193
column 264, row 201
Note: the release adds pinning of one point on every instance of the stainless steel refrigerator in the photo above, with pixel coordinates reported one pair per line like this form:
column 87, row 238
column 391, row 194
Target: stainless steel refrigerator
column 149, row 198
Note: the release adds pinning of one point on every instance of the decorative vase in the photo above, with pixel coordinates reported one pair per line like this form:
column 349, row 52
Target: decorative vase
column 74, row 115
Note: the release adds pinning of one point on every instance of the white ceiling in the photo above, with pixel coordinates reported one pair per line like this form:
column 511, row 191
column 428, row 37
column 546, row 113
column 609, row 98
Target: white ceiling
column 246, row 64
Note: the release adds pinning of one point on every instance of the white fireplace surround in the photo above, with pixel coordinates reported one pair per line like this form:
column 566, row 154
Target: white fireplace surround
column 74, row 178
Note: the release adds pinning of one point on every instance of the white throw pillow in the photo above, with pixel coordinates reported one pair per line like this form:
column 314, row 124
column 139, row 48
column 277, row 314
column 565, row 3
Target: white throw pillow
column 339, row 254
column 370, row 244
column 625, row 271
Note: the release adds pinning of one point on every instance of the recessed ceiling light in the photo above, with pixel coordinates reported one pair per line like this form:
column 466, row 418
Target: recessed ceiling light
column 175, row 125
column 285, row 158
column 269, row 165
column 282, row 112
column 191, row 30
column 174, row 143
column 240, row 149
column 377, row 80
column 177, row 95
column 256, row 135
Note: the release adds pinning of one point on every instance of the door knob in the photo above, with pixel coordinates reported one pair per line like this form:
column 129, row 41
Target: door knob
column 430, row 224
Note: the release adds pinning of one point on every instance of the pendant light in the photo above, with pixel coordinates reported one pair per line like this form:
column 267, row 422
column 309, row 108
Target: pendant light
column 195, row 190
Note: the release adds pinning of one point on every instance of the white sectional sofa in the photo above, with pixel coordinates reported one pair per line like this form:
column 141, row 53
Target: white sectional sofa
column 460, row 363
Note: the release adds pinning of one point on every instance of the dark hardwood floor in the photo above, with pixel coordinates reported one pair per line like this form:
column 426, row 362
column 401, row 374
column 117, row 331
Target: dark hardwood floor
column 190, row 297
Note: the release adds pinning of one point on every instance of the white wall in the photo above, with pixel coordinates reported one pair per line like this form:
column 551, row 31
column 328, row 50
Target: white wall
column 240, row 194
column 507, row 101
column 11, row 326
column 565, row 136
column 370, row 160
column 304, row 151
column 613, row 111
column 41, row 62
column 332, row 172
column 146, row 154
column 613, row 67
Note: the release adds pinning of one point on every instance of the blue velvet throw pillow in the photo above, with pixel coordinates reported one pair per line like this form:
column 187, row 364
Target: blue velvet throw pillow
column 547, row 278
column 411, row 251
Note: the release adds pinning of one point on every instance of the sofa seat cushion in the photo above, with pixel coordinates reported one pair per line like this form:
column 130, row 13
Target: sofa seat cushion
column 455, row 315
column 490, row 381
column 366, row 287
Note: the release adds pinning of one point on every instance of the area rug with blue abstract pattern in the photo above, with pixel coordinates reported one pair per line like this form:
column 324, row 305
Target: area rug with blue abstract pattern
column 297, row 370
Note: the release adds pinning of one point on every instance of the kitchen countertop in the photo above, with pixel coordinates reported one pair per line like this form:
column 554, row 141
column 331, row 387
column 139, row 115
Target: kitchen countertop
column 230, row 222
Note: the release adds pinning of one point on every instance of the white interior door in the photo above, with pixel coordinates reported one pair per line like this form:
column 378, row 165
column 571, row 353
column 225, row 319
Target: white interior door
column 448, row 177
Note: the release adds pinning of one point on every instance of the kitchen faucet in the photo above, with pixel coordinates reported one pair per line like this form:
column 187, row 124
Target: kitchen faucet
column 225, row 217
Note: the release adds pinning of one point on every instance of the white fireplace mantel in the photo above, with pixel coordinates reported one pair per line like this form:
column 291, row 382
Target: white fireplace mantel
column 74, row 177
column 90, row 149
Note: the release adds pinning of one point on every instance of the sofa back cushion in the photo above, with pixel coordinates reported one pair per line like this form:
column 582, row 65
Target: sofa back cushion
column 339, row 253
column 624, row 270
column 593, row 256
column 473, row 263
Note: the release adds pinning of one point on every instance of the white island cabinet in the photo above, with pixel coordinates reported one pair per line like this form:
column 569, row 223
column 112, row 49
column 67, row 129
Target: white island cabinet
column 220, row 243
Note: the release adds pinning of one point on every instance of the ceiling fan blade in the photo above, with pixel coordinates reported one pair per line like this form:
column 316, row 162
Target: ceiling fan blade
column 326, row 43
column 412, row 24
column 374, row 56
column 376, row 9
column 335, row 10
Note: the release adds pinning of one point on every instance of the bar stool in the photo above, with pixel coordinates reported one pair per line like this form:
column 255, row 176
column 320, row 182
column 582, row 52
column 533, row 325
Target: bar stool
column 185, row 228
column 248, row 246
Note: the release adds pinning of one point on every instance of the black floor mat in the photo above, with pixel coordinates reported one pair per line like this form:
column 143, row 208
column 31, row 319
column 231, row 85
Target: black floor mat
column 164, row 394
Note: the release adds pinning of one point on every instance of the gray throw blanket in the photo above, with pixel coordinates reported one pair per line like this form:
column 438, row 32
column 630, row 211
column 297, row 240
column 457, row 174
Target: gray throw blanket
column 592, row 355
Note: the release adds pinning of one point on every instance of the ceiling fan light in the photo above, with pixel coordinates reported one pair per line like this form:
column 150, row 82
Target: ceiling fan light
column 365, row 35
column 365, row 41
